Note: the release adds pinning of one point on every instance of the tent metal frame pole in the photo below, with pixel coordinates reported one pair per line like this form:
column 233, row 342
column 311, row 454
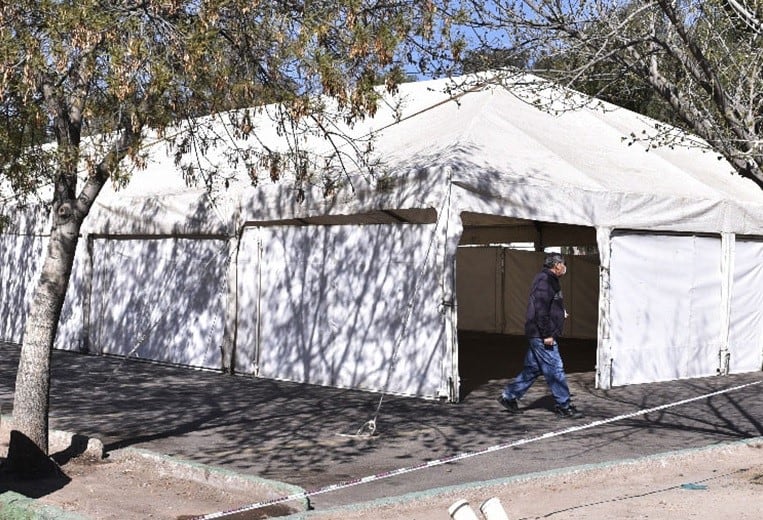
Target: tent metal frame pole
column 450, row 235
column 604, row 358
column 258, row 311
column 728, row 243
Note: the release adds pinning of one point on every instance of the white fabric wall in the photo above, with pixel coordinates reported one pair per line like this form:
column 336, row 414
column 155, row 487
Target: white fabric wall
column 20, row 264
column 665, row 303
column 161, row 299
column 21, row 258
column 333, row 303
column 746, row 322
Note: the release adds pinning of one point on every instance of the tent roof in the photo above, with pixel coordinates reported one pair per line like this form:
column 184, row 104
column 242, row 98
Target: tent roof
column 578, row 166
column 516, row 149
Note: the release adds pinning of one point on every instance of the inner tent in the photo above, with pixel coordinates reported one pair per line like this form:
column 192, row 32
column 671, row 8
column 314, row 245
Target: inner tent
column 496, row 261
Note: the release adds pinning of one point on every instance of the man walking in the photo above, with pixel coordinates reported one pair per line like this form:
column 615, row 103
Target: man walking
column 543, row 326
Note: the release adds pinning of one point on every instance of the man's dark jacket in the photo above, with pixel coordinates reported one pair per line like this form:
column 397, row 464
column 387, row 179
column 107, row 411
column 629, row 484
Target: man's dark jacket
column 545, row 309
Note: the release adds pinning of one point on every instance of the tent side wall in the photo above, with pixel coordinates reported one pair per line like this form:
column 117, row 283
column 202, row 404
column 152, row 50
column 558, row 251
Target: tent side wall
column 354, row 306
column 20, row 264
column 159, row 298
column 672, row 314
column 349, row 305
column 663, row 307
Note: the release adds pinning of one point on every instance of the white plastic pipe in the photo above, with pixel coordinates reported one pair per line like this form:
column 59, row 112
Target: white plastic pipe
column 460, row 510
column 493, row 510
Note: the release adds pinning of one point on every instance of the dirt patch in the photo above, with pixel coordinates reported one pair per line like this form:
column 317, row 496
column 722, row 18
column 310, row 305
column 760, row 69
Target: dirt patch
column 722, row 482
column 138, row 484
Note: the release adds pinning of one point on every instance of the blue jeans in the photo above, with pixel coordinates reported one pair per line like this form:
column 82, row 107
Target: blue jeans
column 541, row 359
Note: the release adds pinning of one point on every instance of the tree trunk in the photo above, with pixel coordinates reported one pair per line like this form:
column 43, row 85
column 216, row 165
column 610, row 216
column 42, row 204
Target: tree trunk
column 28, row 449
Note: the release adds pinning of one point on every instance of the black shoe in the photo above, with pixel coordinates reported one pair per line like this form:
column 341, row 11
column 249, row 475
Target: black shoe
column 511, row 405
column 568, row 413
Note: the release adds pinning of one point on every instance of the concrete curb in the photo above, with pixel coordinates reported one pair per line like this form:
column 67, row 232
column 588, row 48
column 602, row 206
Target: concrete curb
column 213, row 475
column 432, row 493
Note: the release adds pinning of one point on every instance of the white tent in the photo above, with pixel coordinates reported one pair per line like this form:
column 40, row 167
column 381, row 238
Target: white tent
column 360, row 290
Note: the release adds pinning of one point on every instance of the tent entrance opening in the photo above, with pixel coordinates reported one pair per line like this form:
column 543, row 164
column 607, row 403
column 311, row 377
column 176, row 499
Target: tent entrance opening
column 496, row 261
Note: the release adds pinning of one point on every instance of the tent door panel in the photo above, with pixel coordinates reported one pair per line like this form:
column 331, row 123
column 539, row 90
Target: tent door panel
column 20, row 265
column 159, row 299
column 665, row 299
column 746, row 323
column 702, row 357
column 350, row 306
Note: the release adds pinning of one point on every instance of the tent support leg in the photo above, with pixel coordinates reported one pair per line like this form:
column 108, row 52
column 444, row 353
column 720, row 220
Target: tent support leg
column 728, row 243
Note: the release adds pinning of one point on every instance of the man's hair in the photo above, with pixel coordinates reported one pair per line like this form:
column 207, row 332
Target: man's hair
column 552, row 259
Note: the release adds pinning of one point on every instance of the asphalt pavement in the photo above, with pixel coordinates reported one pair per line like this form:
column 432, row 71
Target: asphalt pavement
column 308, row 435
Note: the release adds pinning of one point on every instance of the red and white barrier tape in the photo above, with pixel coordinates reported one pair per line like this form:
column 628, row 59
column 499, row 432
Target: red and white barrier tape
column 460, row 456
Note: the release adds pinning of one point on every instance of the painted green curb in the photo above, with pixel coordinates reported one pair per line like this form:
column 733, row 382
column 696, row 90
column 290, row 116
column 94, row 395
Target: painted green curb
column 14, row 506
column 434, row 492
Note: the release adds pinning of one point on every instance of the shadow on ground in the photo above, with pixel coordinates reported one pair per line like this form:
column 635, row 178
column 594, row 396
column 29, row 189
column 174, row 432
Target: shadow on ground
column 307, row 435
column 32, row 488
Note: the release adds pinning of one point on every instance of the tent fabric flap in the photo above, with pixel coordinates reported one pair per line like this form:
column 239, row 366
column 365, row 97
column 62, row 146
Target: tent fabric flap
column 665, row 304
column 746, row 321
column 345, row 306
column 161, row 299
